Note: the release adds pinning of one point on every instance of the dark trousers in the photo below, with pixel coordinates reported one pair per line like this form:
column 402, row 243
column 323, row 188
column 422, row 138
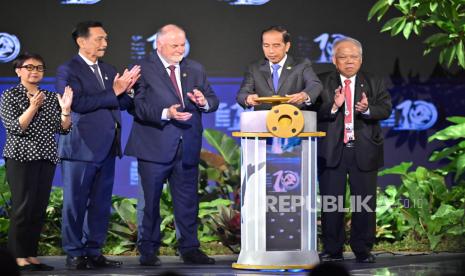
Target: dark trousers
column 30, row 184
column 183, row 182
column 87, row 189
column 332, row 182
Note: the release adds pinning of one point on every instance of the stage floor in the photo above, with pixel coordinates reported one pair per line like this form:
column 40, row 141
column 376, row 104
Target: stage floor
column 387, row 264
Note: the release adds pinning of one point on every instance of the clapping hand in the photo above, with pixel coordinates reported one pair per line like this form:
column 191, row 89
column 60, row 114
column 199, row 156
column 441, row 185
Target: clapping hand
column 135, row 75
column 174, row 114
column 37, row 100
column 125, row 81
column 66, row 100
column 197, row 97
column 339, row 98
column 362, row 105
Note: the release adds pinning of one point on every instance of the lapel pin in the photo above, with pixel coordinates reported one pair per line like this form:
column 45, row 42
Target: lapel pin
column 106, row 77
column 289, row 67
column 184, row 75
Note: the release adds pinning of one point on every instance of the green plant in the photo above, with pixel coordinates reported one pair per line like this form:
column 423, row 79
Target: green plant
column 390, row 224
column 50, row 238
column 454, row 154
column 227, row 225
column 430, row 210
column 223, row 168
column 5, row 196
column 123, row 226
column 123, row 223
column 446, row 16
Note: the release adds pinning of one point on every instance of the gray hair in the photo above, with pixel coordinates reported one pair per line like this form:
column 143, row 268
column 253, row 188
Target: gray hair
column 168, row 28
column 347, row 39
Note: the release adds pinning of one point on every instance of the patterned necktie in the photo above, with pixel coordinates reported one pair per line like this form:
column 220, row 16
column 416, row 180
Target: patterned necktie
column 175, row 83
column 275, row 77
column 348, row 126
column 97, row 75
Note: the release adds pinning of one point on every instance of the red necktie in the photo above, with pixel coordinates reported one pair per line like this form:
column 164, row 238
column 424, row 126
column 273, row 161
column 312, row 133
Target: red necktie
column 175, row 83
column 348, row 112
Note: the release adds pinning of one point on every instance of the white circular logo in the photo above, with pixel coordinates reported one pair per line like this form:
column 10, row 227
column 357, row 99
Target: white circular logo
column 9, row 47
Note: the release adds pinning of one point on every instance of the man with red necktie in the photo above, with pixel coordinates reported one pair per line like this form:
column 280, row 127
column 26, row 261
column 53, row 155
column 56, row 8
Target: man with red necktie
column 352, row 104
column 166, row 137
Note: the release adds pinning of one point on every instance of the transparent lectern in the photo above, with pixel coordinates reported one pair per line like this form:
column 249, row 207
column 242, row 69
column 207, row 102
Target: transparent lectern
column 278, row 188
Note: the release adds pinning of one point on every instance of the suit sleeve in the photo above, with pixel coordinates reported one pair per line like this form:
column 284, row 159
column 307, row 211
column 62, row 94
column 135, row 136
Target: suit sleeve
column 313, row 85
column 380, row 104
column 84, row 101
column 144, row 110
column 209, row 94
column 247, row 87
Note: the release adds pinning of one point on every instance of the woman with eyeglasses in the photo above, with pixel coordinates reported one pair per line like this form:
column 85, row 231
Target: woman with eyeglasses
column 31, row 116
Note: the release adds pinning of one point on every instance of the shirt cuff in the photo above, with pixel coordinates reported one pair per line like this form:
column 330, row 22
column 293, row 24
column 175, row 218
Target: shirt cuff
column 164, row 115
column 366, row 113
column 308, row 101
column 206, row 107
column 131, row 93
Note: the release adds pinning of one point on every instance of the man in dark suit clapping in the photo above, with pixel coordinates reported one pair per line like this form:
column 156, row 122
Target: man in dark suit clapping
column 352, row 104
column 166, row 139
column 88, row 152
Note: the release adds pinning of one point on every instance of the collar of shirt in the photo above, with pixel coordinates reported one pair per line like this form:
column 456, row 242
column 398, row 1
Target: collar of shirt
column 352, row 84
column 177, row 71
column 280, row 63
column 90, row 63
column 87, row 60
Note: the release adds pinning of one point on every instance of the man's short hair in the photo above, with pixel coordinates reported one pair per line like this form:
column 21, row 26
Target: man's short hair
column 82, row 29
column 347, row 39
column 280, row 29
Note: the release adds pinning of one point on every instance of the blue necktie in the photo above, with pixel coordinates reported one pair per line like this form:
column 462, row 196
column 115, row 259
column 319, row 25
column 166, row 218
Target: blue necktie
column 275, row 77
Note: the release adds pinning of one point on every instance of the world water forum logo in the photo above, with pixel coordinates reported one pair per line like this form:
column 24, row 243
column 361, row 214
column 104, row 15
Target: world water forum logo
column 9, row 47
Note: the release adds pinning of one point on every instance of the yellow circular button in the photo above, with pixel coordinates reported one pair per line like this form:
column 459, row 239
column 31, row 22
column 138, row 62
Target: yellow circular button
column 285, row 121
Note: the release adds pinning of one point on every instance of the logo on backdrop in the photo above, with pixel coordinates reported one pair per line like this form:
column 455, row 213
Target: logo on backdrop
column 9, row 47
column 412, row 115
column 139, row 43
column 325, row 43
column 228, row 116
column 79, row 2
column 246, row 2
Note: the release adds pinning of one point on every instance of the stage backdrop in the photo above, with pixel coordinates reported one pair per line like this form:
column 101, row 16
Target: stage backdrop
column 224, row 35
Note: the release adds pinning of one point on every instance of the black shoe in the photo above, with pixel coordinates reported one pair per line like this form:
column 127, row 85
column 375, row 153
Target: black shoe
column 196, row 257
column 42, row 267
column 328, row 257
column 149, row 261
column 78, row 263
column 102, row 261
column 28, row 267
column 366, row 259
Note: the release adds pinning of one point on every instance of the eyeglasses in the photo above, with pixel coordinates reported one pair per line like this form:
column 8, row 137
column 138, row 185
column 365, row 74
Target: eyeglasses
column 30, row 67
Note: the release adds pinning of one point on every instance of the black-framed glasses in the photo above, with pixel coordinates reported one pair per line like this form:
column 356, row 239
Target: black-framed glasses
column 30, row 67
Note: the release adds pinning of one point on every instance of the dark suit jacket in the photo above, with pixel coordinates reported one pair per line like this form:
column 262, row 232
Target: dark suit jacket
column 156, row 140
column 296, row 76
column 368, row 134
column 96, row 112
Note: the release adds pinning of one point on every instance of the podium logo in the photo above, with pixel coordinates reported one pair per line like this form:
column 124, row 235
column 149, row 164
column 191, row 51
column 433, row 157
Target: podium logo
column 79, row 2
column 9, row 47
